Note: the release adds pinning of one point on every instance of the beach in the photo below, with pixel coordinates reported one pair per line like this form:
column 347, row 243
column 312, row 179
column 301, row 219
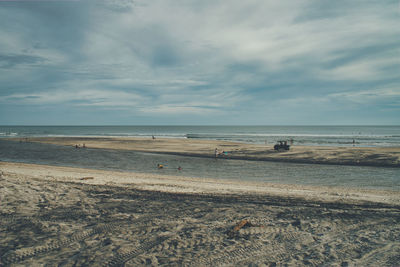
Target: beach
column 199, row 133
column 73, row 217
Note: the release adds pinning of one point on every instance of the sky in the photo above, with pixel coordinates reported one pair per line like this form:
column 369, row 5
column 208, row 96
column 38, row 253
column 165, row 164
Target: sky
column 208, row 62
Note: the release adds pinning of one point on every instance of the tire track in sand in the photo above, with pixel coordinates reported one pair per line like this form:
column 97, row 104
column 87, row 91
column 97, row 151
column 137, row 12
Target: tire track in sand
column 22, row 254
column 120, row 259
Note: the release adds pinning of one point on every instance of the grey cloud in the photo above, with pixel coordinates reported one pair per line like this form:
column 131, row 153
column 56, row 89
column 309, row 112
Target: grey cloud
column 164, row 56
column 379, row 49
column 11, row 60
column 228, row 57
column 57, row 25
column 119, row 5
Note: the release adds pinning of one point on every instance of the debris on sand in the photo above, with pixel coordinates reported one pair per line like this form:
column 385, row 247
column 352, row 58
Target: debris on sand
column 238, row 226
column 86, row 178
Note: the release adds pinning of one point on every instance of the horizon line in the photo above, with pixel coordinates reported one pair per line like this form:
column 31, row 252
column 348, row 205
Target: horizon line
column 193, row 125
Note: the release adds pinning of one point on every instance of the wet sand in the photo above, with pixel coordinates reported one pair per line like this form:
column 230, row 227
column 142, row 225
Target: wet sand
column 74, row 217
column 358, row 156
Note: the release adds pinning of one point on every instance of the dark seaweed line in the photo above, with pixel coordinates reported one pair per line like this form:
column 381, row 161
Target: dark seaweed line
column 287, row 201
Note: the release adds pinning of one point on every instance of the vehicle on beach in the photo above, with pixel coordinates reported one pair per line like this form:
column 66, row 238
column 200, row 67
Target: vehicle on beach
column 281, row 145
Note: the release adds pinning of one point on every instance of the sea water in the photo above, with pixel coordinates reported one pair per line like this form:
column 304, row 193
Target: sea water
column 363, row 136
column 131, row 161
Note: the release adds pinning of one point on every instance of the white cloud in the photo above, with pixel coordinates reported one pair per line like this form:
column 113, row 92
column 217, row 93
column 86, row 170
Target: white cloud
column 365, row 96
column 354, row 98
column 88, row 97
column 367, row 68
column 189, row 102
column 168, row 109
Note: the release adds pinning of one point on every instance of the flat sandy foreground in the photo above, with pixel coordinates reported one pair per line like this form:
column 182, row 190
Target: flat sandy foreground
column 59, row 216
column 363, row 156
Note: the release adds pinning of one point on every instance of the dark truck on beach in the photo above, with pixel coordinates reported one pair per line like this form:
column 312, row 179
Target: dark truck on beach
column 281, row 145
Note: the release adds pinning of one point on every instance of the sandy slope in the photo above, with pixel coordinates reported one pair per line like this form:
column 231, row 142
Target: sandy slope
column 50, row 215
column 374, row 156
column 179, row 184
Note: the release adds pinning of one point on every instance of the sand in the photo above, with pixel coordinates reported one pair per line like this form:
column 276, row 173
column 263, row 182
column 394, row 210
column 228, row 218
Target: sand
column 362, row 156
column 59, row 216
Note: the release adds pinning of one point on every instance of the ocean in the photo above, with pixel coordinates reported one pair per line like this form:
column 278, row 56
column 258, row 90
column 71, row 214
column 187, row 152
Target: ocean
column 363, row 136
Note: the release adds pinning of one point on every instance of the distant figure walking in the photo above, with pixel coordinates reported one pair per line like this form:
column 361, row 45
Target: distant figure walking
column 216, row 152
column 153, row 137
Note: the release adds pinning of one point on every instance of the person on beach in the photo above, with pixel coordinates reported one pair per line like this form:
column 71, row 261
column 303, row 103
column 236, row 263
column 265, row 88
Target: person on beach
column 216, row 152
column 179, row 168
column 160, row 166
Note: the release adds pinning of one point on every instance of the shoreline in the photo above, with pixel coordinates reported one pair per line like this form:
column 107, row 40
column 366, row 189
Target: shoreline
column 182, row 184
column 352, row 156
column 288, row 160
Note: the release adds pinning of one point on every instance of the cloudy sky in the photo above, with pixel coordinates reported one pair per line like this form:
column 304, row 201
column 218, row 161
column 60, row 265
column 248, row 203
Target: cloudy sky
column 257, row 62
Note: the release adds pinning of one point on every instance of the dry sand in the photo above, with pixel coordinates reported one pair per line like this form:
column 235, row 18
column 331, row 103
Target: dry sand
column 363, row 156
column 58, row 216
